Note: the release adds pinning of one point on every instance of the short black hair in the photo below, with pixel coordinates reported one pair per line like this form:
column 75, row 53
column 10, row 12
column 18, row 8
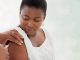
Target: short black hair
column 42, row 4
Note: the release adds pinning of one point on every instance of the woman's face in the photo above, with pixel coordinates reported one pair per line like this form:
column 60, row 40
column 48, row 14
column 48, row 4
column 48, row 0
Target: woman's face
column 31, row 19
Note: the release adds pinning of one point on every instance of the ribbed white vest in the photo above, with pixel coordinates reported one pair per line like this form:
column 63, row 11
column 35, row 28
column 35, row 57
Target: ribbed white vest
column 44, row 52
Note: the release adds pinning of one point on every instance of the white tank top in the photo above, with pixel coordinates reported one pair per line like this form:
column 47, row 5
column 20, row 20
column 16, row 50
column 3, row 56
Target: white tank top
column 44, row 52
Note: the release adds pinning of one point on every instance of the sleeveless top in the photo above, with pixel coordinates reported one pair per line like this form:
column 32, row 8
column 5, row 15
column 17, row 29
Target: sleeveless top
column 44, row 52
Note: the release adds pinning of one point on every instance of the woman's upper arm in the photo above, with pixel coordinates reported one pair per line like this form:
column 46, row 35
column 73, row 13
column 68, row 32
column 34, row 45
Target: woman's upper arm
column 17, row 52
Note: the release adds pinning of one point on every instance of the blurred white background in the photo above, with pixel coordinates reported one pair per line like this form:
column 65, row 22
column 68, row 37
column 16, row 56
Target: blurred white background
column 62, row 21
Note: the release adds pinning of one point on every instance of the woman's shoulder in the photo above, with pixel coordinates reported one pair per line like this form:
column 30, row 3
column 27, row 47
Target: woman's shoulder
column 47, row 33
column 17, row 52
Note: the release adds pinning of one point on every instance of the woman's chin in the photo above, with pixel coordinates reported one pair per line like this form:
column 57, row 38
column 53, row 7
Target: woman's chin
column 30, row 34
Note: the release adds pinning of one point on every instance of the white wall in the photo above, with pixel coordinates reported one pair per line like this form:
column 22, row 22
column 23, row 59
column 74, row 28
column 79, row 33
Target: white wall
column 9, row 13
column 62, row 21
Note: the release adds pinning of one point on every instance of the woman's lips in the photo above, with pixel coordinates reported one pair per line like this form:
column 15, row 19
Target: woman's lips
column 28, row 30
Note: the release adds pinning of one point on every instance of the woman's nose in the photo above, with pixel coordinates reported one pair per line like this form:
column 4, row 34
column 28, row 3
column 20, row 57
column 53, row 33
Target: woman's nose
column 30, row 23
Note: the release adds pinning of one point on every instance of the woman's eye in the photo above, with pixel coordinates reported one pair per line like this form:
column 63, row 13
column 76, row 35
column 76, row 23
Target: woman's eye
column 37, row 20
column 25, row 18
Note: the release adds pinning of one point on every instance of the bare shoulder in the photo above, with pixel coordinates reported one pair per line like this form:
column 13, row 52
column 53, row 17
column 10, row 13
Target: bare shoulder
column 17, row 52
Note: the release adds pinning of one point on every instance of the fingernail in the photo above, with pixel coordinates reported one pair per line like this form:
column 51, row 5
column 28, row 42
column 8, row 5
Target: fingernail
column 1, row 45
column 20, row 39
column 19, row 43
column 6, row 46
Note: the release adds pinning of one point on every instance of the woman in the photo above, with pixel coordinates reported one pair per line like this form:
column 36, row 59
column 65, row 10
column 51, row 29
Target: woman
column 36, row 44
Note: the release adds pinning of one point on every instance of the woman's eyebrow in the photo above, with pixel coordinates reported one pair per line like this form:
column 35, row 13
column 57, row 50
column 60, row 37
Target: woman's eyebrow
column 26, row 15
column 37, row 17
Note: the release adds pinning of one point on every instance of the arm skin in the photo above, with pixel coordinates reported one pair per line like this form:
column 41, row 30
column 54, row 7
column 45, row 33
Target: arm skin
column 4, row 55
column 3, row 38
column 17, row 52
